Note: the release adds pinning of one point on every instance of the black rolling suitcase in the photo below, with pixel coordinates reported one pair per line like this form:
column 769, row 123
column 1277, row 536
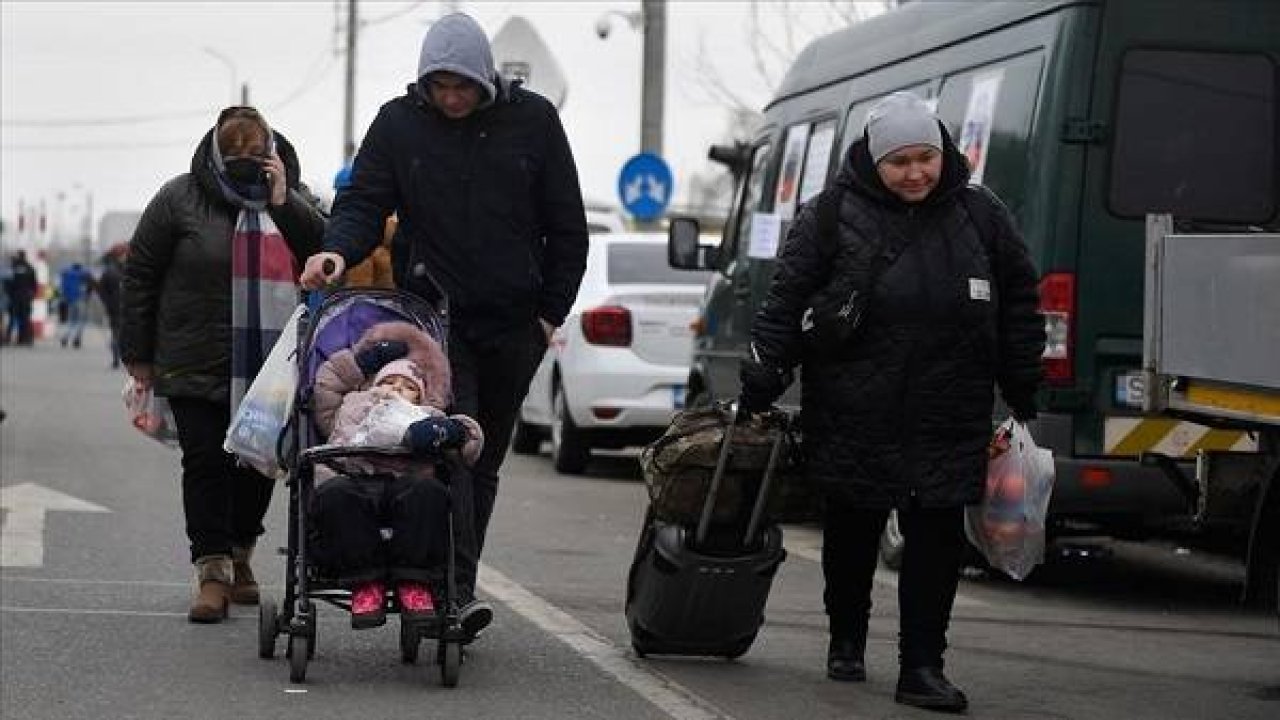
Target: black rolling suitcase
column 701, row 590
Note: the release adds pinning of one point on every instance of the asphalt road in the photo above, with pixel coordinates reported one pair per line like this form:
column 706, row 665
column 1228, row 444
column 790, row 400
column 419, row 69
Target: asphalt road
column 97, row 628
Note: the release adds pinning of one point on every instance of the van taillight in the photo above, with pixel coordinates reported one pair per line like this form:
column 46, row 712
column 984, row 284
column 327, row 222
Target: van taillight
column 1058, row 306
column 608, row 325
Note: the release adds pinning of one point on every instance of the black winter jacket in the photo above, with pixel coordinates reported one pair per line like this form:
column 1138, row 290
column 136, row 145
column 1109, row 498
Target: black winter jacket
column 176, row 303
column 488, row 205
column 904, row 415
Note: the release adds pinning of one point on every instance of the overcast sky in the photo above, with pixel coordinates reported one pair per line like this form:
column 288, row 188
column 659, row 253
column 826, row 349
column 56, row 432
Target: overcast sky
column 110, row 98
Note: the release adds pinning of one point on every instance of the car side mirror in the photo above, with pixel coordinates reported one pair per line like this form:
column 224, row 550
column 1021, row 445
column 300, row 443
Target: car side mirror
column 683, row 250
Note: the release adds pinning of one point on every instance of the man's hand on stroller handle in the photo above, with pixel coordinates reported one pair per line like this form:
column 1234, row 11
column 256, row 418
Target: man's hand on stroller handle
column 322, row 269
column 434, row 434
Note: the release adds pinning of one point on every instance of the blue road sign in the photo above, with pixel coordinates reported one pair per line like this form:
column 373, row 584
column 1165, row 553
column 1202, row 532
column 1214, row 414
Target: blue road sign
column 645, row 186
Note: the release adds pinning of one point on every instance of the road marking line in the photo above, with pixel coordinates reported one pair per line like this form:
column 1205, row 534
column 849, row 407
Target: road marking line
column 78, row 581
column 806, row 542
column 22, row 530
column 669, row 696
column 90, row 611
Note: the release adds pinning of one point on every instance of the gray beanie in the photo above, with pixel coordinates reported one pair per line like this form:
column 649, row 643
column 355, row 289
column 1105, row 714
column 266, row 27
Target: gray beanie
column 455, row 43
column 899, row 120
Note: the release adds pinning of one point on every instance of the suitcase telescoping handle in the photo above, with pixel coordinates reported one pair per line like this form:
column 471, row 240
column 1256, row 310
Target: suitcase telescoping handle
column 722, row 461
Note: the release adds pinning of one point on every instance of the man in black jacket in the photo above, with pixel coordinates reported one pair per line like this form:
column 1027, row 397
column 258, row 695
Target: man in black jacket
column 481, row 177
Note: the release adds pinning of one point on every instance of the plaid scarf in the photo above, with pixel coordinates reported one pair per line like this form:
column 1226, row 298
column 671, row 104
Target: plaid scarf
column 263, row 295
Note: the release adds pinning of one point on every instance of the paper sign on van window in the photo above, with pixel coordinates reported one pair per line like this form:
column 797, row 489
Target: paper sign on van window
column 789, row 183
column 975, row 134
column 817, row 160
column 766, row 229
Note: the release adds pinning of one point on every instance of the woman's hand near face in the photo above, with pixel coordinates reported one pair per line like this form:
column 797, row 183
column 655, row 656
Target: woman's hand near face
column 273, row 166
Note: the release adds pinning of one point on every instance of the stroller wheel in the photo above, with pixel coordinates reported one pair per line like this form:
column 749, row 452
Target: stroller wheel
column 449, row 654
column 268, row 627
column 299, row 655
column 410, row 639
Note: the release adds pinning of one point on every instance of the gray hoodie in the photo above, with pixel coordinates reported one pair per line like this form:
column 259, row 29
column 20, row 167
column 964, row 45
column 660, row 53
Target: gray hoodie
column 455, row 43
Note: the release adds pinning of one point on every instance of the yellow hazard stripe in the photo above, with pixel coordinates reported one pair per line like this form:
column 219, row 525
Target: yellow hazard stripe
column 1144, row 436
column 1131, row 436
column 1214, row 440
column 1237, row 399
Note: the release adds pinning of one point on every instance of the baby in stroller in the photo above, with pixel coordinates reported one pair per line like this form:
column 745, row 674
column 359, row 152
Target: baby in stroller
column 387, row 390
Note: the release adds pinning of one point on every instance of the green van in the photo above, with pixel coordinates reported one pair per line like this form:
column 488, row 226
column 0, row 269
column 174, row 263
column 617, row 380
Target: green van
column 1083, row 115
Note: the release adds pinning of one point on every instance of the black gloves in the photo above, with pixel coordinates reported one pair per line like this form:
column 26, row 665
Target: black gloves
column 434, row 434
column 761, row 385
column 373, row 358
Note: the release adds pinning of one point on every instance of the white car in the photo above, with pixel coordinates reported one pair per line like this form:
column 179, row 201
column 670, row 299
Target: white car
column 615, row 372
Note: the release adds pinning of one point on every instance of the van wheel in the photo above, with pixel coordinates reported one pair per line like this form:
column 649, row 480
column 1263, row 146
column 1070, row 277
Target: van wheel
column 891, row 543
column 527, row 439
column 570, row 449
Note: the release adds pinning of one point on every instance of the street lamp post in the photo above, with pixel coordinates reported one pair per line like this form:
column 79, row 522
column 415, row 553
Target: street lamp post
column 651, row 20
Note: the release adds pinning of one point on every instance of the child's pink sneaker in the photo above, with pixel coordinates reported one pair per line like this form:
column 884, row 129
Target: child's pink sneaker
column 415, row 600
column 367, row 605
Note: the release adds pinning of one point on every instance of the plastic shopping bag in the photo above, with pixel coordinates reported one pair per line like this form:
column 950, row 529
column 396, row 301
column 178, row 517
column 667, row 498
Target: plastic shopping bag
column 264, row 412
column 1008, row 525
column 151, row 415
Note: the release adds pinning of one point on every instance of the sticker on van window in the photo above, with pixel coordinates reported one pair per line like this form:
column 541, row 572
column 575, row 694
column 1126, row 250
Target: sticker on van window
column 975, row 134
column 766, row 230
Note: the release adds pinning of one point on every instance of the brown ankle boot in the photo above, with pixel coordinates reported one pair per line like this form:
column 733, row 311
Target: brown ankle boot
column 244, row 588
column 213, row 584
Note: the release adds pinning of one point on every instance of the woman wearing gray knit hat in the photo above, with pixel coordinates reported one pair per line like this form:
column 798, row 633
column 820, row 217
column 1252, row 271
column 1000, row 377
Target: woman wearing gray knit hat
column 908, row 296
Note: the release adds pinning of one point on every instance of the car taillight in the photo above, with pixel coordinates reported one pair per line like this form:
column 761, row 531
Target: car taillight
column 1058, row 305
column 608, row 325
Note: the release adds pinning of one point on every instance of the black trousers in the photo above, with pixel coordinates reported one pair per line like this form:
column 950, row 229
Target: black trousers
column 491, row 376
column 934, row 542
column 349, row 513
column 224, row 502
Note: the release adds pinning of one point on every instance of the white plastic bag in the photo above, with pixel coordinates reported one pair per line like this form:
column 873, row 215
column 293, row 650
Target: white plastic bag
column 386, row 422
column 150, row 414
column 1008, row 525
column 264, row 411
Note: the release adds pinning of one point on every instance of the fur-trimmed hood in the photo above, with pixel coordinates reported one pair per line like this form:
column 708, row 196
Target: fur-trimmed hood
column 340, row 374
column 424, row 352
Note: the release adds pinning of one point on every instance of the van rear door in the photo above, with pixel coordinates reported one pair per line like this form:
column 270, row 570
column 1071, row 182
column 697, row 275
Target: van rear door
column 1187, row 105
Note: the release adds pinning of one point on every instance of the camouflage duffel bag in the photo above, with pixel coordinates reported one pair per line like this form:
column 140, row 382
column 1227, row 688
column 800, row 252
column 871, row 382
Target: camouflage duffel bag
column 678, row 467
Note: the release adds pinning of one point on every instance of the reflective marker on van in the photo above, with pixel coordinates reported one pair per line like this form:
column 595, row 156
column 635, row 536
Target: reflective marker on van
column 1058, row 304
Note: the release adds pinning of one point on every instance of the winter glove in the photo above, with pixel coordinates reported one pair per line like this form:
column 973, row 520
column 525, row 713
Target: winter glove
column 761, row 385
column 375, row 357
column 434, row 434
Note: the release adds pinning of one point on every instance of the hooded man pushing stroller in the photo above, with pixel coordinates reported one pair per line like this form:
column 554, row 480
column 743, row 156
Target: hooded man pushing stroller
column 482, row 179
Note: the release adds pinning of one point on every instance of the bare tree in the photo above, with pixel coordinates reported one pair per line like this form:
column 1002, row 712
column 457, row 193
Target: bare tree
column 774, row 33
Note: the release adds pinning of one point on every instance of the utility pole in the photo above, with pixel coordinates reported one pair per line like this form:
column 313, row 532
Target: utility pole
column 349, row 109
column 653, row 79
column 244, row 94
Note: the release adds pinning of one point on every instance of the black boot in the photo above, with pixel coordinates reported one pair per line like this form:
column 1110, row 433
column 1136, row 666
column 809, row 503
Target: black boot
column 845, row 660
column 928, row 688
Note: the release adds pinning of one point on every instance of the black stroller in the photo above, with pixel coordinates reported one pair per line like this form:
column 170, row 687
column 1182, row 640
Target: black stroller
column 337, row 324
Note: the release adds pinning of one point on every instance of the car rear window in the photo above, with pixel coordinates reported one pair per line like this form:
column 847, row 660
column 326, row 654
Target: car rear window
column 1196, row 136
column 646, row 263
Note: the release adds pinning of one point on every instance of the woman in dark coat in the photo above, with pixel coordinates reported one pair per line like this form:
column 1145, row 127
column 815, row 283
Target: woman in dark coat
column 208, row 286
column 897, row 400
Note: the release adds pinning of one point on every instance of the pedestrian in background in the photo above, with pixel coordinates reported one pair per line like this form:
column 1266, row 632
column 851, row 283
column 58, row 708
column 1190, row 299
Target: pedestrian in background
column 483, row 182
column 74, row 285
column 897, row 409
column 208, row 285
column 21, row 288
column 107, row 286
